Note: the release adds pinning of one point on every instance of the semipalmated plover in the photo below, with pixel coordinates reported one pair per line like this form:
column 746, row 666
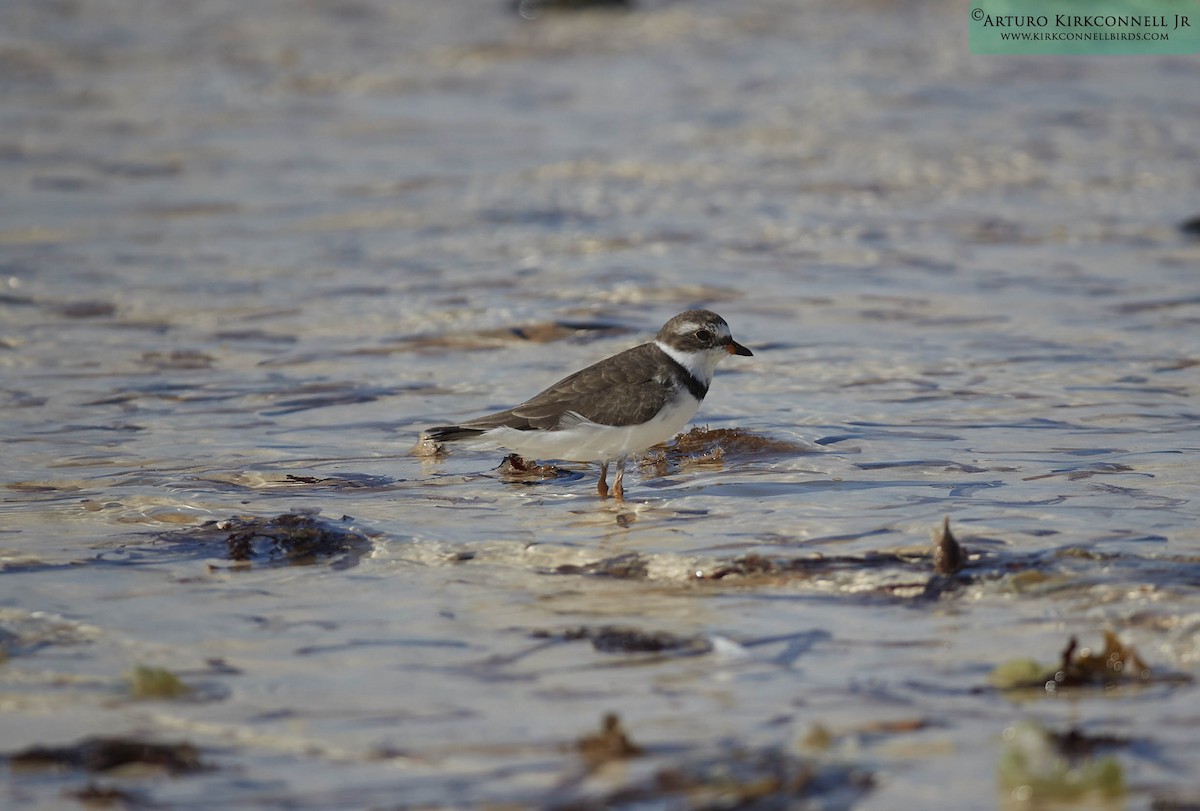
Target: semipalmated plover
column 614, row 408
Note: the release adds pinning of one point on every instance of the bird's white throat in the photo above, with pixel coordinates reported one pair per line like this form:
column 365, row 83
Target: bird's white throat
column 700, row 364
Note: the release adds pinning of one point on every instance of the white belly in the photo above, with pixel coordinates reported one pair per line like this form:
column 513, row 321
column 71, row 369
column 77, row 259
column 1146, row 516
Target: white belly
column 592, row 442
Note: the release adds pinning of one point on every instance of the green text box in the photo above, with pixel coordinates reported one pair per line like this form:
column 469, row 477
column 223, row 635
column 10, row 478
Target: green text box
column 1085, row 27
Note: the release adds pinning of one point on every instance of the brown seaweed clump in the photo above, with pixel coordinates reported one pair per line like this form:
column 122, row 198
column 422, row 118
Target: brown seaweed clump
column 299, row 538
column 518, row 467
column 714, row 446
column 610, row 743
column 97, row 796
column 626, row 566
column 107, row 754
column 947, row 553
column 1046, row 768
column 532, row 9
column 354, row 481
column 1114, row 665
column 729, row 775
column 624, row 639
column 296, row 538
column 147, row 683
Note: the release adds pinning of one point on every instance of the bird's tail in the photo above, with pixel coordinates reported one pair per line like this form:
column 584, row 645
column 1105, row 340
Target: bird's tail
column 451, row 433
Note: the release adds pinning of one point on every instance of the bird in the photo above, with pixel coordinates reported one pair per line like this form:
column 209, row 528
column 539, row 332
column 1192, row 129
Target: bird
column 614, row 408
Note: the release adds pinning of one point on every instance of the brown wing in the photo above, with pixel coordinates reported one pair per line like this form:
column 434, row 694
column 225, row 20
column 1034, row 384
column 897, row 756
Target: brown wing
column 628, row 388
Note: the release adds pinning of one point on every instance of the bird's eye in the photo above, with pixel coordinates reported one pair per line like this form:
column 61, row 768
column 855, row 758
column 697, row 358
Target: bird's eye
column 703, row 336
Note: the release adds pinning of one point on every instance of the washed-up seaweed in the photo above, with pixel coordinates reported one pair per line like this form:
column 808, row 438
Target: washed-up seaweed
column 911, row 573
column 619, row 639
column 624, row 639
column 347, row 482
column 756, row 567
column 724, row 776
column 947, row 553
column 947, row 558
column 714, row 446
column 610, row 743
column 514, row 467
column 146, row 683
column 628, row 566
column 1115, row 665
column 916, row 574
column 104, row 754
column 608, row 639
column 295, row 538
column 821, row 738
column 532, row 9
column 94, row 795
column 1038, row 766
column 699, row 446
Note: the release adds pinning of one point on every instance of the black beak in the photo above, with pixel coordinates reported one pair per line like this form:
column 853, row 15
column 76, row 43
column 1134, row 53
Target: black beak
column 734, row 348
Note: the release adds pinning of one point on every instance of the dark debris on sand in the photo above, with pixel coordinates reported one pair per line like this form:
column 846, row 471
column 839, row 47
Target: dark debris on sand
column 725, row 775
column 936, row 571
column 296, row 539
column 348, row 482
column 610, row 743
column 104, row 754
column 94, row 795
column 714, row 446
column 627, row 566
column 521, row 469
column 947, row 553
column 1114, row 665
column 624, row 639
column 1104, row 668
column 532, row 9
column 757, row 568
column 700, row 446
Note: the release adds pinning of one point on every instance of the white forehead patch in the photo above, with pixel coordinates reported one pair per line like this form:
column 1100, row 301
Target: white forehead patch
column 687, row 327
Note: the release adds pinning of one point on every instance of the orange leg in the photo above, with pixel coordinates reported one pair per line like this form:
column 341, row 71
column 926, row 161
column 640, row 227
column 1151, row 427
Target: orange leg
column 618, row 485
column 602, row 485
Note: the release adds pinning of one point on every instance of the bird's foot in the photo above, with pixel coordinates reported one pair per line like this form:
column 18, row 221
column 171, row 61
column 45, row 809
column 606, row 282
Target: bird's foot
column 619, row 481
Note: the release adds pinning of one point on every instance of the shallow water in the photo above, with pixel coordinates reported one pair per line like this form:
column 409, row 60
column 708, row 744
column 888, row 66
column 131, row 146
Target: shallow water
column 248, row 251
